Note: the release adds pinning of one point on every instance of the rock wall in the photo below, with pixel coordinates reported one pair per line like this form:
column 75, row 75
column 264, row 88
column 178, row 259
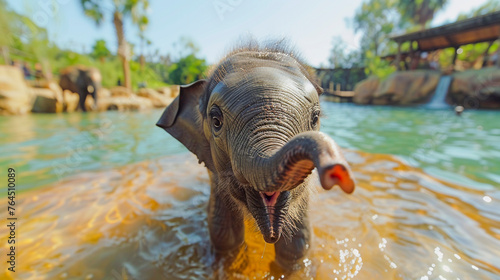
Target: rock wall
column 364, row 90
column 50, row 98
column 471, row 88
column 400, row 88
column 15, row 96
column 476, row 88
column 159, row 100
column 18, row 96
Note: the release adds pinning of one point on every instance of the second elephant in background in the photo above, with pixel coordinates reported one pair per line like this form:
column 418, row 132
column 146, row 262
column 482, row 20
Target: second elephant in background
column 82, row 80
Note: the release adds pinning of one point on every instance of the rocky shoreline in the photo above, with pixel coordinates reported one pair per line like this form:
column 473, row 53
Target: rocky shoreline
column 18, row 96
column 478, row 89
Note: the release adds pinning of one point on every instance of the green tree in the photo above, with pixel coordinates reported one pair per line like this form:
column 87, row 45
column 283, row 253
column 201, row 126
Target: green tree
column 5, row 26
column 419, row 12
column 376, row 66
column 187, row 70
column 121, row 9
column 143, row 22
column 488, row 7
column 474, row 53
column 185, row 46
column 188, row 67
column 341, row 57
column 100, row 50
column 375, row 20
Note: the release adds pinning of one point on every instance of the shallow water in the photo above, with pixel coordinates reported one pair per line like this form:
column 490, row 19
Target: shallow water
column 148, row 221
column 86, row 212
column 46, row 148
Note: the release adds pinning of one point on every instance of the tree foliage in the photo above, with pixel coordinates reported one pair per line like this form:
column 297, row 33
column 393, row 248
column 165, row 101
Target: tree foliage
column 23, row 39
column 5, row 25
column 189, row 67
column 419, row 12
column 473, row 55
column 100, row 50
column 488, row 7
column 376, row 66
column 120, row 10
column 97, row 9
column 187, row 70
column 341, row 56
column 375, row 20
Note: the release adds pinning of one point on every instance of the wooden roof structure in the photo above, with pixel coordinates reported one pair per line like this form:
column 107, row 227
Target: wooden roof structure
column 485, row 28
column 468, row 31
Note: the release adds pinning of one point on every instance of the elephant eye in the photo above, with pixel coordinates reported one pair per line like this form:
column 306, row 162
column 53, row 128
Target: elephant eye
column 217, row 123
column 315, row 117
column 216, row 118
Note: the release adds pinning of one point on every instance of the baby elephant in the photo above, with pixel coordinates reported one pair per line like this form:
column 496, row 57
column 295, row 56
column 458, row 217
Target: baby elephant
column 255, row 124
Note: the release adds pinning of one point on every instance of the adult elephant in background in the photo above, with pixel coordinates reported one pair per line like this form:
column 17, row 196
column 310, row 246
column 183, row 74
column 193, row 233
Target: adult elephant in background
column 82, row 80
column 255, row 124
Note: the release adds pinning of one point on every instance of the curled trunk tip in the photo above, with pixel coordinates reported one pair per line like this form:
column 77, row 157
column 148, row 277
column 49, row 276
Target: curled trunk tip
column 336, row 174
column 294, row 162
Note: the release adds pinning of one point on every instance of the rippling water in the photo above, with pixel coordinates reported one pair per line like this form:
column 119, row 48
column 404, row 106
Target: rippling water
column 432, row 212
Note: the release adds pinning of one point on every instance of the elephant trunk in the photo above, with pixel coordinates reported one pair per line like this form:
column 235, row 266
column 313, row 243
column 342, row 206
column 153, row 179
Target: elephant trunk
column 288, row 167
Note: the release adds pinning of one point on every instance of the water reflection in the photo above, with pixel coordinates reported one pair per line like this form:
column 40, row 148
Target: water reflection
column 148, row 221
column 47, row 148
column 464, row 150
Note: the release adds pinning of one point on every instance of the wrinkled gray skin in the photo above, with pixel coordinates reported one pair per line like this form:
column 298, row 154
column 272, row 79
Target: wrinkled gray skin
column 82, row 80
column 255, row 125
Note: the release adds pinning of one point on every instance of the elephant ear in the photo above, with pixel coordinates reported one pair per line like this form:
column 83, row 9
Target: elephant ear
column 183, row 120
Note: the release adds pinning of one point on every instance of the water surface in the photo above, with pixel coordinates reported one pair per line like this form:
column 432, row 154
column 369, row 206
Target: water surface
column 110, row 196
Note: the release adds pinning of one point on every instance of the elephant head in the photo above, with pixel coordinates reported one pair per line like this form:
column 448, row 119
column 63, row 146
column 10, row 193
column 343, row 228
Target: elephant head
column 255, row 124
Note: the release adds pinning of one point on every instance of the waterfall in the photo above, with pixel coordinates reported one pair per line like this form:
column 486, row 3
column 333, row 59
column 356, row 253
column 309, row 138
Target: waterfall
column 438, row 99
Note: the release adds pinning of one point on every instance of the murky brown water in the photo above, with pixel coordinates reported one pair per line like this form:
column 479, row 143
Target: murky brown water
column 148, row 221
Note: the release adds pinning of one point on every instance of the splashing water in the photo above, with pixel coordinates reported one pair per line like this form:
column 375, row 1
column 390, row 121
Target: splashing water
column 148, row 220
column 430, row 213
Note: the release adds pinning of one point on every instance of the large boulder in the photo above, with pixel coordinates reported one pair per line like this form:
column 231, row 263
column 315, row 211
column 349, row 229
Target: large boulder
column 15, row 96
column 120, row 91
column 364, row 90
column 120, row 99
column 124, row 104
column 50, row 98
column 46, row 101
column 476, row 88
column 159, row 100
column 407, row 88
column 103, row 93
column 133, row 103
column 70, row 101
column 170, row 91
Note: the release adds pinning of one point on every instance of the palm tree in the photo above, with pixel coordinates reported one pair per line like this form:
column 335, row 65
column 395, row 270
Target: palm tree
column 420, row 12
column 143, row 24
column 5, row 26
column 120, row 9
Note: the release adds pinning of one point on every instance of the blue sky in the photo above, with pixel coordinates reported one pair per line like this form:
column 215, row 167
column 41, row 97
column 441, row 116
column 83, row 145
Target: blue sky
column 215, row 24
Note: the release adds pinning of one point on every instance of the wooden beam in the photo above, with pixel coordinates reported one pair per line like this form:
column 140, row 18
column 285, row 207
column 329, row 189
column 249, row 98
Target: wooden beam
column 455, row 57
column 486, row 54
column 498, row 53
column 452, row 28
column 411, row 50
column 398, row 57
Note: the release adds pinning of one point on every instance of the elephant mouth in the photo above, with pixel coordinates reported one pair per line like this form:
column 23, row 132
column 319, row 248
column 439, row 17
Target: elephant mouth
column 270, row 223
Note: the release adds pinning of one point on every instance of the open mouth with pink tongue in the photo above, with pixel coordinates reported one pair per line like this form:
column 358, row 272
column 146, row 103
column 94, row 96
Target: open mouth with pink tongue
column 270, row 199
